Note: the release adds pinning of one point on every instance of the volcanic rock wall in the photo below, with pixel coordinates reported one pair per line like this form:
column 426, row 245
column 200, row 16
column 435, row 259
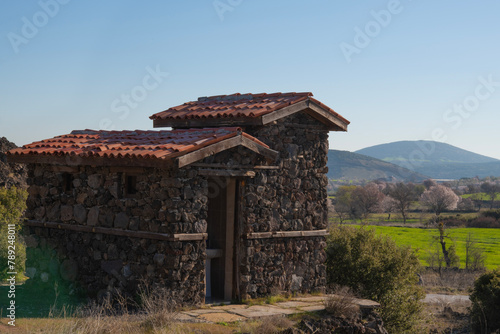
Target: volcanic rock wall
column 103, row 262
column 292, row 198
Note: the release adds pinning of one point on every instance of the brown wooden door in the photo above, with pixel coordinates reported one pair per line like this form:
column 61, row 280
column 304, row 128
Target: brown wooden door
column 220, row 242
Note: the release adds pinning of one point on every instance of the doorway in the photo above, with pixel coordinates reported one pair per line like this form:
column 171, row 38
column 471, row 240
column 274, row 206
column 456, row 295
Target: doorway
column 219, row 265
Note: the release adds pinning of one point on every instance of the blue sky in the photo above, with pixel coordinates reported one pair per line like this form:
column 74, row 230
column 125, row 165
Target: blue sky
column 398, row 70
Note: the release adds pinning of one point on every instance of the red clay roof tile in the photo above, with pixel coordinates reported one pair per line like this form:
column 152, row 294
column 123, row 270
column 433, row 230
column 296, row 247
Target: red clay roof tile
column 234, row 105
column 136, row 144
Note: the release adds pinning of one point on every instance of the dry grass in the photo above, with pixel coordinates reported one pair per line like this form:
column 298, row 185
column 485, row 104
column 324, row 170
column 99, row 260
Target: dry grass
column 155, row 314
column 341, row 303
column 449, row 281
column 445, row 317
column 266, row 325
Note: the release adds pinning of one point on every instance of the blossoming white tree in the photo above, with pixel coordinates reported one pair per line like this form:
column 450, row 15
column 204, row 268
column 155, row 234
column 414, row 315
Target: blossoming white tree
column 439, row 198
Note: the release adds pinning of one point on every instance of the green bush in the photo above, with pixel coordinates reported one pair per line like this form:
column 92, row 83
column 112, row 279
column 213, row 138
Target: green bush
column 376, row 268
column 485, row 297
column 12, row 206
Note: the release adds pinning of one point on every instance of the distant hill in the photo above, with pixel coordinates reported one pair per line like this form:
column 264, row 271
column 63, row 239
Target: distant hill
column 457, row 171
column 344, row 165
column 438, row 160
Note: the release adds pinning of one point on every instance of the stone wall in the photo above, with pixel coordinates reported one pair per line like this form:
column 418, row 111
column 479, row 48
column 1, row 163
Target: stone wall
column 276, row 265
column 97, row 198
column 292, row 198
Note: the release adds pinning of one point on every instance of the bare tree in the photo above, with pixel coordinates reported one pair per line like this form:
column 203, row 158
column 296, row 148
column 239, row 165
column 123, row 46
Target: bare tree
column 466, row 204
column 439, row 198
column 404, row 195
column 450, row 256
column 367, row 199
column 474, row 255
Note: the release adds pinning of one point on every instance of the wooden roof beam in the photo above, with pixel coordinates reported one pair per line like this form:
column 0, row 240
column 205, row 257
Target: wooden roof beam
column 324, row 116
column 223, row 145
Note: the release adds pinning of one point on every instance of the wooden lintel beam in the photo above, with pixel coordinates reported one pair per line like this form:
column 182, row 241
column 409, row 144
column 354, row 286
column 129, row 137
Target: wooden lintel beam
column 215, row 165
column 118, row 232
column 132, row 170
column 65, row 169
column 226, row 172
column 286, row 234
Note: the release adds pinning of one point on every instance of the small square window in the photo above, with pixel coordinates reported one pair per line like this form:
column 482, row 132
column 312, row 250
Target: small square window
column 130, row 184
column 67, row 182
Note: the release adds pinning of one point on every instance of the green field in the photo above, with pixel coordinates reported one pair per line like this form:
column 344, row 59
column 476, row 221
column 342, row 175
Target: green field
column 487, row 238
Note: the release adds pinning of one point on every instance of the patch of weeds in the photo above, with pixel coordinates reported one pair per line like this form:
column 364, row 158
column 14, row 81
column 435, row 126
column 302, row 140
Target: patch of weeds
column 342, row 304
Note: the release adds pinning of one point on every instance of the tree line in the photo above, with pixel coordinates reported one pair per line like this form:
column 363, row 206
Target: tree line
column 359, row 201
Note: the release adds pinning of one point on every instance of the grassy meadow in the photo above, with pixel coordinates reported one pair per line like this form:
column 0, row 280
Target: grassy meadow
column 420, row 238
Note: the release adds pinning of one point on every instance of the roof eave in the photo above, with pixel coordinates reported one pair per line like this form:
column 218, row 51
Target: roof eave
column 332, row 121
column 206, row 122
column 178, row 160
column 76, row 160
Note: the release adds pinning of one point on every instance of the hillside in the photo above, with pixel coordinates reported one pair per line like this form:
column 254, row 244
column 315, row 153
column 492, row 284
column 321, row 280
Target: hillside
column 438, row 160
column 344, row 165
column 427, row 152
column 457, row 171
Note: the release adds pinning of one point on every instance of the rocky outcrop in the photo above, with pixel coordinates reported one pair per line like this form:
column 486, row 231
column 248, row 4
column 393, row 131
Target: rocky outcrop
column 11, row 174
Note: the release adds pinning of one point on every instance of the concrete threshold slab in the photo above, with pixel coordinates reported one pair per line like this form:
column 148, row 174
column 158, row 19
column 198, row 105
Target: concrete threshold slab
column 294, row 304
column 197, row 312
column 311, row 299
column 313, row 308
column 221, row 317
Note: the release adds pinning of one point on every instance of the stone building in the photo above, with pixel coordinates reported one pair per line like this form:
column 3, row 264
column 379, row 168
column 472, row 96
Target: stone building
column 230, row 204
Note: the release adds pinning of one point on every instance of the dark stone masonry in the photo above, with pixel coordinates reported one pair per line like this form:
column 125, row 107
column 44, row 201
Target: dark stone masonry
column 238, row 221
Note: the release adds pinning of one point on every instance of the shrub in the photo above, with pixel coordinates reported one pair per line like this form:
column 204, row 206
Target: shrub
column 376, row 268
column 453, row 222
column 484, row 222
column 12, row 206
column 495, row 214
column 485, row 299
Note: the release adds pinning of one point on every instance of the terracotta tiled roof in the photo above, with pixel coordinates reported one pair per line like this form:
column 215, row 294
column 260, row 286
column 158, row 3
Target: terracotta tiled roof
column 235, row 105
column 236, row 109
column 128, row 144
